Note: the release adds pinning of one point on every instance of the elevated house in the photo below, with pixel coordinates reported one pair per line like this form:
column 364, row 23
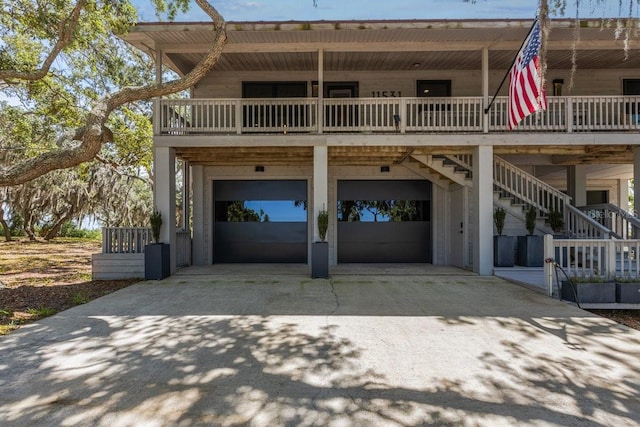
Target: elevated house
column 384, row 125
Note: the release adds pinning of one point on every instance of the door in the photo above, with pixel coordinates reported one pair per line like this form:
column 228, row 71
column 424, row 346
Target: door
column 456, row 227
column 260, row 221
column 384, row 221
column 341, row 114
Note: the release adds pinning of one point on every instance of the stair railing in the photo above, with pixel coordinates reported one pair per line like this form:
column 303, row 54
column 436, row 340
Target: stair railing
column 527, row 187
column 545, row 198
column 581, row 226
column 623, row 224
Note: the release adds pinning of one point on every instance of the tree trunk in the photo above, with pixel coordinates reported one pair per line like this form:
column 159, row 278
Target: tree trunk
column 53, row 231
column 5, row 226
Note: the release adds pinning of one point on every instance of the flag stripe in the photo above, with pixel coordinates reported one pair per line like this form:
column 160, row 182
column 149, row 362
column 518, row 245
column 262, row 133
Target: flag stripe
column 526, row 93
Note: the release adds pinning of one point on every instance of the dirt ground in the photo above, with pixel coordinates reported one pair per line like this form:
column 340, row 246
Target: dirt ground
column 38, row 279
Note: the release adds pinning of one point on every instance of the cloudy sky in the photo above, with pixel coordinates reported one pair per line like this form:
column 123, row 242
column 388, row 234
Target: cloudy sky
column 286, row 10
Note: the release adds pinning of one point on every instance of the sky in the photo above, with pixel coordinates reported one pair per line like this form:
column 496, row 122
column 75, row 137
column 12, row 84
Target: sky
column 331, row 10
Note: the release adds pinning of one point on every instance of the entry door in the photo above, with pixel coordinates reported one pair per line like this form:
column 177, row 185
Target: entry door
column 457, row 230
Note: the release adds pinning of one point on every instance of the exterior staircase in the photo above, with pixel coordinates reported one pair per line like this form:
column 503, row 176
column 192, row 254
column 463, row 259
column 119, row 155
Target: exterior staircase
column 516, row 191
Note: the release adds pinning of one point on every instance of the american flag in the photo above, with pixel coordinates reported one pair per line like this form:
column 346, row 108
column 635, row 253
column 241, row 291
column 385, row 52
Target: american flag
column 526, row 92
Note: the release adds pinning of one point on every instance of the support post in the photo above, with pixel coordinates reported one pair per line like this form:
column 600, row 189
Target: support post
column 548, row 266
column 164, row 196
column 483, row 213
column 320, row 185
column 577, row 184
column 320, row 111
column 485, row 88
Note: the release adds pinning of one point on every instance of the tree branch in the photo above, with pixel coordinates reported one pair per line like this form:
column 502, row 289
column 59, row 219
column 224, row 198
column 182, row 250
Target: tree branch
column 95, row 133
column 65, row 32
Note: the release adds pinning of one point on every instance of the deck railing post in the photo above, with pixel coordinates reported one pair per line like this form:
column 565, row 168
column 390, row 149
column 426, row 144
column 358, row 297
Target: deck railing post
column 549, row 254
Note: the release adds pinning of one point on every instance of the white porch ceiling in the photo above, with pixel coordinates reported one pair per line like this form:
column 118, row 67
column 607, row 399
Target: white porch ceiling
column 379, row 45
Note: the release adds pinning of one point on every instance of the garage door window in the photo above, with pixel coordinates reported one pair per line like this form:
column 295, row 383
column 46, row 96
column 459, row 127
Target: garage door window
column 383, row 210
column 261, row 211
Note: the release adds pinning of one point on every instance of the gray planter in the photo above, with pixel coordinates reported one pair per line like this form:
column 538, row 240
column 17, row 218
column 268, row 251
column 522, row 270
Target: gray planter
column 589, row 292
column 156, row 261
column 320, row 260
column 503, row 255
column 628, row 293
column 530, row 251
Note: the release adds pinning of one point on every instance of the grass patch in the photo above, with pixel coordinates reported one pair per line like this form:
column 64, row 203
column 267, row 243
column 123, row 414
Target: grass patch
column 79, row 298
column 39, row 313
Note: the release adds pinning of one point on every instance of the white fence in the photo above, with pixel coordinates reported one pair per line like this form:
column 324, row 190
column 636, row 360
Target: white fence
column 125, row 240
column 445, row 114
column 132, row 240
column 607, row 259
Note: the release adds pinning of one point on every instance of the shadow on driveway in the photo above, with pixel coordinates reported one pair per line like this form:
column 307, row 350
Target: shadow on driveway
column 361, row 350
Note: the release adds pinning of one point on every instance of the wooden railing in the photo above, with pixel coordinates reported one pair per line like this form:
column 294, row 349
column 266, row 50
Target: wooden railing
column 607, row 259
column 623, row 224
column 527, row 188
column 121, row 240
column 183, row 248
column 132, row 240
column 403, row 115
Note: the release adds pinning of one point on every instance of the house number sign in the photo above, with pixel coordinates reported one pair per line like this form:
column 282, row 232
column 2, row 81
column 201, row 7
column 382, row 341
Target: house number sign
column 386, row 93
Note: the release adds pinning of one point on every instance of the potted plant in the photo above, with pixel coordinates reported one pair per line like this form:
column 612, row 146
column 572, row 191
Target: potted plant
column 530, row 247
column 320, row 250
column 157, row 256
column 502, row 245
column 588, row 289
column 627, row 290
column 555, row 220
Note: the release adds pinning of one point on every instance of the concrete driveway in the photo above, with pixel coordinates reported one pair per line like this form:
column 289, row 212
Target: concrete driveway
column 442, row 350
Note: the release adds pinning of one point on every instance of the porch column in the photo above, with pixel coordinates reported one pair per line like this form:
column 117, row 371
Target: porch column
column 577, row 184
column 199, row 256
column 636, row 180
column 320, row 185
column 320, row 112
column 483, row 210
column 485, row 88
column 164, row 196
column 623, row 194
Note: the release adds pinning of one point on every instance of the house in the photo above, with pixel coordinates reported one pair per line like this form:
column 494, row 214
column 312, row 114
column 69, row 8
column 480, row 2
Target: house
column 384, row 125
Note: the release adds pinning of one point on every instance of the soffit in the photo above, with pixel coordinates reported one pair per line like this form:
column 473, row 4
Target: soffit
column 377, row 46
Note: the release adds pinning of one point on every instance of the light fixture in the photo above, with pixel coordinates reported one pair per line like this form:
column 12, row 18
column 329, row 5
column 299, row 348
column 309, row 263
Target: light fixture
column 385, row 168
column 259, row 168
column 416, row 64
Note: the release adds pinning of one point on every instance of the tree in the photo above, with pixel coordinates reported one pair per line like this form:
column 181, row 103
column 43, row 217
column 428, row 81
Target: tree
column 48, row 49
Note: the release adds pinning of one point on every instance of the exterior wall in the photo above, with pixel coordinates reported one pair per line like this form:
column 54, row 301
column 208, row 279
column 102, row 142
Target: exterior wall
column 117, row 266
column 463, row 83
column 203, row 239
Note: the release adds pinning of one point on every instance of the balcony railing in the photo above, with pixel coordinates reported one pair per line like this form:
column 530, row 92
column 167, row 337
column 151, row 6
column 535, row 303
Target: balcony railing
column 402, row 115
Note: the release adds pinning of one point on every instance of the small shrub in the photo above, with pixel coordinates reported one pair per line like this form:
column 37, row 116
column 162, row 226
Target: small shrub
column 530, row 220
column 499, row 217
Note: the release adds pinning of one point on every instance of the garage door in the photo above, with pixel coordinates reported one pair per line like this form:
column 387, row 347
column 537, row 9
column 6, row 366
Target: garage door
column 260, row 221
column 384, row 221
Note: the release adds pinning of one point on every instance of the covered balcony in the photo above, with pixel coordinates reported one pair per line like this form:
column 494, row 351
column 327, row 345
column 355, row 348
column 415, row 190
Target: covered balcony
column 389, row 115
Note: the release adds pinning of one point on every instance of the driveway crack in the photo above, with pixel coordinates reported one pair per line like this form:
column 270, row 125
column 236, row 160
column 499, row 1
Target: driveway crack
column 335, row 296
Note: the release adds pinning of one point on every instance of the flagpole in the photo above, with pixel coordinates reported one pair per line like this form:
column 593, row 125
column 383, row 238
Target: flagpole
column 486, row 110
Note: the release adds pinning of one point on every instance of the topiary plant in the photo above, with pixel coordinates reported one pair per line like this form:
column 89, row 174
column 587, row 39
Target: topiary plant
column 323, row 224
column 156, row 225
column 556, row 220
column 530, row 220
column 499, row 217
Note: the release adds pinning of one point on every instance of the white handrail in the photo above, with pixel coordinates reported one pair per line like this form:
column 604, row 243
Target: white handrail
column 608, row 259
column 621, row 222
column 527, row 187
column 417, row 114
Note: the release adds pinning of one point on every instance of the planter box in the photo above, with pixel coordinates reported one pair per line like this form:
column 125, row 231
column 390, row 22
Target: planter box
column 589, row 292
column 628, row 293
column 157, row 259
column 503, row 251
column 530, row 251
column 320, row 260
